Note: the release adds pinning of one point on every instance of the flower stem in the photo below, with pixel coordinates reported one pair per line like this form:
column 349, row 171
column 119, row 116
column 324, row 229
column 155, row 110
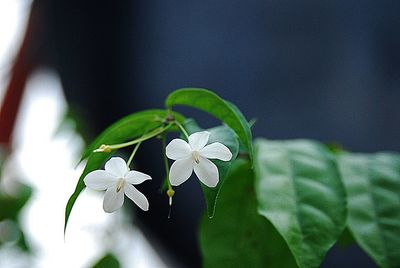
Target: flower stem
column 143, row 138
column 170, row 191
column 182, row 129
column 164, row 145
column 133, row 153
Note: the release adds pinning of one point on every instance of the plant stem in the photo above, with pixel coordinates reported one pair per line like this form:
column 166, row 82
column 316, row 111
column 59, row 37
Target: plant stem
column 164, row 145
column 143, row 138
column 182, row 129
column 133, row 154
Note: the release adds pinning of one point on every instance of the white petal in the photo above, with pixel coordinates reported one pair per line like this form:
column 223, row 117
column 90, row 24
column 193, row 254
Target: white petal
column 180, row 171
column 116, row 166
column 99, row 180
column 198, row 140
column 207, row 172
column 136, row 177
column 177, row 149
column 113, row 200
column 136, row 197
column 216, row 150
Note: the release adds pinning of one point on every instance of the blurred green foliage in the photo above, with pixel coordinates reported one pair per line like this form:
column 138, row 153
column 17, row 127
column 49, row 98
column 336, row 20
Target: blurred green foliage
column 107, row 261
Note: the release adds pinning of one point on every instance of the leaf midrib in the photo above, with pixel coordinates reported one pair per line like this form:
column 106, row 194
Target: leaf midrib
column 296, row 198
column 367, row 168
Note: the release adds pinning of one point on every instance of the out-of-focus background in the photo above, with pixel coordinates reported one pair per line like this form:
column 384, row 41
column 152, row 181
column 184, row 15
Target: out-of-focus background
column 305, row 69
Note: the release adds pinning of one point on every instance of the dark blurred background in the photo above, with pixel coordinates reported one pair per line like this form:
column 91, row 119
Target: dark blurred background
column 326, row 70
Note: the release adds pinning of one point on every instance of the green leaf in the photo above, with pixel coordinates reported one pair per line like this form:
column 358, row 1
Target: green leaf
column 373, row 187
column 130, row 127
column 300, row 191
column 238, row 236
column 211, row 103
column 108, row 261
column 11, row 205
column 127, row 128
column 226, row 136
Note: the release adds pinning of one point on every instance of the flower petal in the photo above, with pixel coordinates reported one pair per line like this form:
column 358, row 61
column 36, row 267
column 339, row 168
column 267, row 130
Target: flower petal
column 99, row 180
column 180, row 171
column 113, row 200
column 177, row 149
column 198, row 140
column 136, row 177
column 207, row 172
column 216, row 150
column 136, row 196
column 117, row 166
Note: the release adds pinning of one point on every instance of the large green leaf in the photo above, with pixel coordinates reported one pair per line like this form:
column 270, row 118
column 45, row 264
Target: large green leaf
column 227, row 137
column 238, row 236
column 211, row 103
column 299, row 190
column 373, row 188
column 127, row 128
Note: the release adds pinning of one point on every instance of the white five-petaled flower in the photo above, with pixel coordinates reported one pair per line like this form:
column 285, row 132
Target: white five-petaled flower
column 195, row 156
column 117, row 180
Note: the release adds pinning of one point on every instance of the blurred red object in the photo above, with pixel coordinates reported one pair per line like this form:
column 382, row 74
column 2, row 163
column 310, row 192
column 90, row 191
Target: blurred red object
column 23, row 65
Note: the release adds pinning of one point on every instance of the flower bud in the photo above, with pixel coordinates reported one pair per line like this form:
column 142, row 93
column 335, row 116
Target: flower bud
column 103, row 149
column 170, row 192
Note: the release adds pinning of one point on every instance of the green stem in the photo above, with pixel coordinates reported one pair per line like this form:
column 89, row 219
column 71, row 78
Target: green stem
column 133, row 154
column 182, row 129
column 143, row 138
column 164, row 145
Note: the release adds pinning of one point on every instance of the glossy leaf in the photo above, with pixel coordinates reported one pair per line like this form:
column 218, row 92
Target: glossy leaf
column 238, row 236
column 299, row 190
column 211, row 103
column 127, row 128
column 227, row 137
column 373, row 187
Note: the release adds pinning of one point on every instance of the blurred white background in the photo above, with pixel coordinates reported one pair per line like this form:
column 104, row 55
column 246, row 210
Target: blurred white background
column 45, row 158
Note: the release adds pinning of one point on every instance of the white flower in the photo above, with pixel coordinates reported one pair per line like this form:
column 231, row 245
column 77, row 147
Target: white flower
column 117, row 180
column 195, row 156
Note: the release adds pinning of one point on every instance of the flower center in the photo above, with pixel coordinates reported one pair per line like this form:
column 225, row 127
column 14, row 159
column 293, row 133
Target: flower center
column 196, row 156
column 120, row 184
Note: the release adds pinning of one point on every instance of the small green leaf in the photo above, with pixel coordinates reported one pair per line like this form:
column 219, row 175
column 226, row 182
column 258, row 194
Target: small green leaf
column 107, row 261
column 11, row 205
column 238, row 236
column 127, row 128
column 299, row 190
column 227, row 137
column 373, row 188
column 211, row 103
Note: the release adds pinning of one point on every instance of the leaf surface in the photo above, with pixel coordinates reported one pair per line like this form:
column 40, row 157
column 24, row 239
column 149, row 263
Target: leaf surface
column 373, row 187
column 238, row 236
column 300, row 191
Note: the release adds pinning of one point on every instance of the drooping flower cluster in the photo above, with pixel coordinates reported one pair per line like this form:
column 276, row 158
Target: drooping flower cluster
column 117, row 180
